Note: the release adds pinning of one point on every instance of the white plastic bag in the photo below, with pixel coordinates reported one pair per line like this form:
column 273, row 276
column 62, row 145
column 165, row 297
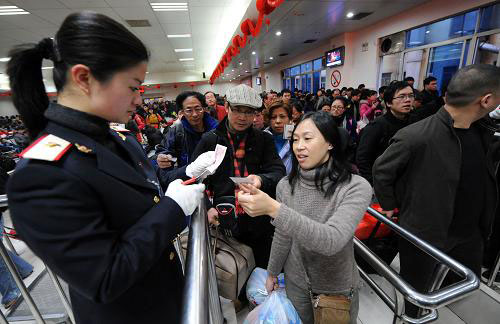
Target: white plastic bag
column 362, row 124
column 256, row 286
column 276, row 309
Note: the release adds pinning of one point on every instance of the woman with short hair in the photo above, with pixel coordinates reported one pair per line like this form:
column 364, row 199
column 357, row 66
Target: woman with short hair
column 280, row 115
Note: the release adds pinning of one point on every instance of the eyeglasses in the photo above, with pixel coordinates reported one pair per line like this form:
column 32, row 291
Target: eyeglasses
column 338, row 107
column 190, row 111
column 410, row 96
column 246, row 113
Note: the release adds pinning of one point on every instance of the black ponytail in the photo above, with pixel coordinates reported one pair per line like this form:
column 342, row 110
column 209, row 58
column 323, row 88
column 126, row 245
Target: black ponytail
column 26, row 82
column 97, row 41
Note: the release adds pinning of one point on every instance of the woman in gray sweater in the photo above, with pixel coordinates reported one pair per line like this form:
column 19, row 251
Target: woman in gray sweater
column 316, row 212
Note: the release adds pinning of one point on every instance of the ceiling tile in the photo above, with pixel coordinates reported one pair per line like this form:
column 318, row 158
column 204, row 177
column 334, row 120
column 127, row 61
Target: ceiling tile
column 128, row 3
column 38, row 4
column 21, row 35
column 55, row 16
column 107, row 12
column 207, row 14
column 172, row 17
column 82, row 4
column 176, row 28
column 181, row 42
column 27, row 21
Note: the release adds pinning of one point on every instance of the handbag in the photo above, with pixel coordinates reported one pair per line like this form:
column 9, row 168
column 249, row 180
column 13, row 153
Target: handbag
column 328, row 308
column 228, row 219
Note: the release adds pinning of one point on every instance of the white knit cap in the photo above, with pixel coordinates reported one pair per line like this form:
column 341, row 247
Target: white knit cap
column 243, row 95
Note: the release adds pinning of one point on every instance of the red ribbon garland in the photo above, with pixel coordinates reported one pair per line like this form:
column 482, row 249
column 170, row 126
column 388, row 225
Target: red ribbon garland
column 248, row 28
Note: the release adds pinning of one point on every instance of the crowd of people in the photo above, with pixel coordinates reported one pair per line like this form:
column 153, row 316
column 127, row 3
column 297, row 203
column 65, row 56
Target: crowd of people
column 113, row 200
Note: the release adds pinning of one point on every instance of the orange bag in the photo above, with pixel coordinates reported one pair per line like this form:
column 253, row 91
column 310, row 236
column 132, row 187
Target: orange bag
column 367, row 225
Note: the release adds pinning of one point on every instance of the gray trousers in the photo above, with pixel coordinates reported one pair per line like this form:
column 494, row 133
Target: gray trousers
column 302, row 302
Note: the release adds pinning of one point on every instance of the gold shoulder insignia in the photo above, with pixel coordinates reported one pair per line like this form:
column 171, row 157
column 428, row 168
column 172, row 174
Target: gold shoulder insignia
column 83, row 148
column 121, row 136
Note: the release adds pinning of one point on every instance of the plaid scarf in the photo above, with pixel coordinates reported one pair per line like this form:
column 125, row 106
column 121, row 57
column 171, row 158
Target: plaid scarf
column 239, row 156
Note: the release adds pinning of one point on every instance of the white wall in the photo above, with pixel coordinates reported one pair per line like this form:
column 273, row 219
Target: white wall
column 169, row 92
column 7, row 107
column 362, row 67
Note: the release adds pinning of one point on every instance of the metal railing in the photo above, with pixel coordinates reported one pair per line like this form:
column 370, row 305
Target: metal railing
column 201, row 303
column 435, row 298
column 37, row 316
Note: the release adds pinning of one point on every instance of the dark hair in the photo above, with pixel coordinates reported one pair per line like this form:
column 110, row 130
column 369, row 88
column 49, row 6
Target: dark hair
column 393, row 88
column 337, row 168
column 350, row 89
column 186, row 94
column 410, row 78
column 273, row 92
column 344, row 101
column 211, row 93
column 88, row 38
column 323, row 101
column 428, row 80
column 280, row 104
column 365, row 93
column 381, row 90
column 355, row 92
column 418, row 95
column 298, row 105
column 361, row 86
column 285, row 91
column 471, row 82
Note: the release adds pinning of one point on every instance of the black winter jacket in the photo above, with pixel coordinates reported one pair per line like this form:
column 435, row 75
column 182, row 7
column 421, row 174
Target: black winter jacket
column 420, row 171
column 374, row 140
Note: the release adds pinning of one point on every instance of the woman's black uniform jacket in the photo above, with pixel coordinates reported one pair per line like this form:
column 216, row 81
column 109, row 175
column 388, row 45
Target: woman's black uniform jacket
column 97, row 217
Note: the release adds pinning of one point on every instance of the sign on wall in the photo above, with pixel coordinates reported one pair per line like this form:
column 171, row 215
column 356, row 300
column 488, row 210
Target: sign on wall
column 336, row 78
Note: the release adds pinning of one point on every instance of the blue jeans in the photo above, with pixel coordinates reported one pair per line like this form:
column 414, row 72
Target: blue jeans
column 8, row 287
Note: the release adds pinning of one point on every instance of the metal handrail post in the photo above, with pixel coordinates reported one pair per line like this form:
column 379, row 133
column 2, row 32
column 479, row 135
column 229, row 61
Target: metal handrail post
column 20, row 284
column 3, row 320
column 9, row 244
column 3, row 201
column 61, row 293
column 494, row 273
column 194, row 305
column 214, row 301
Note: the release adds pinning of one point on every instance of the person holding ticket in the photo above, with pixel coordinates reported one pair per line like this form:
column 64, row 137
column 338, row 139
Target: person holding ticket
column 251, row 157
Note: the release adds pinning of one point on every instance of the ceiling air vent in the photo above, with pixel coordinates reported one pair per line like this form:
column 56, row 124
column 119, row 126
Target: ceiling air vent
column 283, row 54
column 255, row 68
column 267, row 62
column 309, row 41
column 138, row 23
column 360, row 15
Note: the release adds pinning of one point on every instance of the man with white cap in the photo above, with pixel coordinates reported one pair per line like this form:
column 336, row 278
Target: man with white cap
column 250, row 154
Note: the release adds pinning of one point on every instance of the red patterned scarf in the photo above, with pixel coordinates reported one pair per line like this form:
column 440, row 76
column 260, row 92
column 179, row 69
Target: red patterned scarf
column 239, row 156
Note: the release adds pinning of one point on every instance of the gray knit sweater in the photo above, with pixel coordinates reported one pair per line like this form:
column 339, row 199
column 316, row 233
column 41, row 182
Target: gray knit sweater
column 322, row 228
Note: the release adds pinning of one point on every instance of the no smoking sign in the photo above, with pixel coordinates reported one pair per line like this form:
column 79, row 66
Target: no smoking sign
column 336, row 78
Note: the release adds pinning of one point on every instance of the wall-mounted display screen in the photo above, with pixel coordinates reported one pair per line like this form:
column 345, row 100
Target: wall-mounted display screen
column 335, row 57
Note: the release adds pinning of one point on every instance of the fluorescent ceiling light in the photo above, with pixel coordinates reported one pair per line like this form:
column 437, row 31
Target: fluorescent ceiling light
column 179, row 36
column 186, row 59
column 171, row 9
column 253, row 53
column 178, row 50
column 5, row 59
column 47, row 67
column 12, row 10
column 271, row 58
column 165, row 6
column 169, row 3
column 350, row 15
column 278, row 33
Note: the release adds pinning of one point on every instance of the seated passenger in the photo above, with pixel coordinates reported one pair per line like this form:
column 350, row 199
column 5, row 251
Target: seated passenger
column 182, row 138
column 279, row 116
column 85, row 198
column 440, row 173
column 375, row 136
column 316, row 212
column 250, row 153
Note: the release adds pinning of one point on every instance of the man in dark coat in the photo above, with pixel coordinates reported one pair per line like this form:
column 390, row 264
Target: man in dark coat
column 440, row 173
column 254, row 152
column 376, row 135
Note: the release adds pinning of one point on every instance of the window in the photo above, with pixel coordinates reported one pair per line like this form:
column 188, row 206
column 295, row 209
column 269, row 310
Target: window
column 490, row 18
column 287, row 73
column 442, row 30
column 318, row 64
column 295, row 70
column 306, row 67
column 444, row 61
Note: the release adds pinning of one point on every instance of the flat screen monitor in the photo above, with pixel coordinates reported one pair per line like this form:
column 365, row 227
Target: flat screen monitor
column 257, row 80
column 335, row 57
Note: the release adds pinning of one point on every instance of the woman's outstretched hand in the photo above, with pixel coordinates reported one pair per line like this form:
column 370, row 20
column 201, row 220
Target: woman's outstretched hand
column 256, row 202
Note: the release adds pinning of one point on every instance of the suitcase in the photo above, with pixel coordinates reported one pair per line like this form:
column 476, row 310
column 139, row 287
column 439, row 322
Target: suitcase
column 234, row 263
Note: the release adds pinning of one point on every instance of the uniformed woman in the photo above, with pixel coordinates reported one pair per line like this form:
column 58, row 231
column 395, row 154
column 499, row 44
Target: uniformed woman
column 84, row 197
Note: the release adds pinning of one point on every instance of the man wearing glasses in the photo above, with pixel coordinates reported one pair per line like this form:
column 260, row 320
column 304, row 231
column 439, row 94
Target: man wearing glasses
column 182, row 138
column 250, row 154
column 376, row 135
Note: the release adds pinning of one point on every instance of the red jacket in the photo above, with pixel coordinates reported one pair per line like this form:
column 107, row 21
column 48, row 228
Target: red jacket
column 221, row 112
column 140, row 122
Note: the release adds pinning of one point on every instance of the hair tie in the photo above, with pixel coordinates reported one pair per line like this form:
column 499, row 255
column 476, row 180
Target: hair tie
column 47, row 49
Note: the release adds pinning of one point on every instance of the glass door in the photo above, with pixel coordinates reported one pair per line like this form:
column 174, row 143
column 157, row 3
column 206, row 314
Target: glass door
column 315, row 79
column 444, row 61
column 487, row 49
column 414, row 65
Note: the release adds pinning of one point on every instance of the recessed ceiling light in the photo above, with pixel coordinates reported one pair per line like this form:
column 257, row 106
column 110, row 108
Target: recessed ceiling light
column 12, row 10
column 247, row 71
column 232, row 70
column 253, row 53
column 178, row 50
column 427, row 31
column 186, row 59
column 179, row 36
column 271, row 58
column 239, row 75
column 5, row 59
column 241, row 63
column 147, row 72
column 350, row 15
column 278, row 33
